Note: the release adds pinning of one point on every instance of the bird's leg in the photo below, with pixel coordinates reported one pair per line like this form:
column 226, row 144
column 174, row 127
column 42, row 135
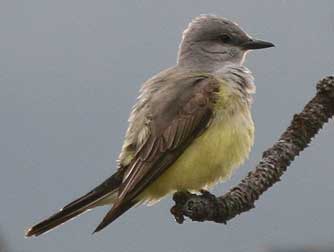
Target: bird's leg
column 180, row 199
column 207, row 194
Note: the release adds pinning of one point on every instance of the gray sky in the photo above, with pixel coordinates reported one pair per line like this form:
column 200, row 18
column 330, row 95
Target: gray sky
column 70, row 71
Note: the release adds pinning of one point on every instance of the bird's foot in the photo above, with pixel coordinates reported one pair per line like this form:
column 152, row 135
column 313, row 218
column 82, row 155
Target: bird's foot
column 180, row 198
column 207, row 194
column 196, row 207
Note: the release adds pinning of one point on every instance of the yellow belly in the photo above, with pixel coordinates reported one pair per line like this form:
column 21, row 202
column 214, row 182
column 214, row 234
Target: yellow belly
column 211, row 158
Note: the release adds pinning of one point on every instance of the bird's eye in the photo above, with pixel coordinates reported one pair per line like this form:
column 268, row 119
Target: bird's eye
column 225, row 38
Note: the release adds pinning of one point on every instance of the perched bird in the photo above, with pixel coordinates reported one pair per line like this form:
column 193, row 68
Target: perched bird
column 190, row 128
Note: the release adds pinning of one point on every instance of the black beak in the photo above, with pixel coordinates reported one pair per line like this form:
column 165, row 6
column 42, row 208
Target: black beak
column 253, row 44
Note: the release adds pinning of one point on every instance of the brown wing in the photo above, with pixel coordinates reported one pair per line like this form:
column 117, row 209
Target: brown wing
column 175, row 121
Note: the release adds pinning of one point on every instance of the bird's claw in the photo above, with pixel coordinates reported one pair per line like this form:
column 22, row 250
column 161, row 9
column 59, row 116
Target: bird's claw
column 178, row 214
column 207, row 194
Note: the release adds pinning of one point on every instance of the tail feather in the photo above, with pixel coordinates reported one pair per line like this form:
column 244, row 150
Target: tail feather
column 113, row 214
column 77, row 207
column 52, row 222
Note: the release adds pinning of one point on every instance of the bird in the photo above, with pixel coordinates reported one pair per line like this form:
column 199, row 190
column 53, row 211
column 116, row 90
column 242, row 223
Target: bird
column 190, row 128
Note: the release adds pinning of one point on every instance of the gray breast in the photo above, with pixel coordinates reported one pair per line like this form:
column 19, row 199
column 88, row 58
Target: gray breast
column 239, row 78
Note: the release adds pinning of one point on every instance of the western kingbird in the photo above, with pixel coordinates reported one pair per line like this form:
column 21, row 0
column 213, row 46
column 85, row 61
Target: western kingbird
column 190, row 128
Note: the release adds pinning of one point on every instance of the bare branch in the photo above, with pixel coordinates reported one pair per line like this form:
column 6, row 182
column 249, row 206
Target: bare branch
column 275, row 160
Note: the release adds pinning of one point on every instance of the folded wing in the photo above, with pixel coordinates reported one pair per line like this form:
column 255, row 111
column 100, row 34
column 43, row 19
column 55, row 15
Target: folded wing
column 175, row 119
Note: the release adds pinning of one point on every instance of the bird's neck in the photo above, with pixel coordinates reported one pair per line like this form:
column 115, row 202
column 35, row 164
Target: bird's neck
column 238, row 78
column 192, row 58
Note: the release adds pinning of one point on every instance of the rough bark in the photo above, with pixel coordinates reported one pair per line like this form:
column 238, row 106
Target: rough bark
column 304, row 126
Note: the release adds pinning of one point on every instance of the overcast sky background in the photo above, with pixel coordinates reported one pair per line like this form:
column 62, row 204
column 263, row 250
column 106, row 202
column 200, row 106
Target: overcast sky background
column 70, row 71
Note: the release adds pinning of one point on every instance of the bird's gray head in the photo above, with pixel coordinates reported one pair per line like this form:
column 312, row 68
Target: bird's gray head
column 210, row 42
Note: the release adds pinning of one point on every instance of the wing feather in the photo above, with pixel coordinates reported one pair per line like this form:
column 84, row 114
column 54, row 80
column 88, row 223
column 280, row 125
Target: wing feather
column 174, row 123
column 192, row 116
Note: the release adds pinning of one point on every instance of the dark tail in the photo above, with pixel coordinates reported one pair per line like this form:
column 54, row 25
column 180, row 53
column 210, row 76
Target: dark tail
column 113, row 214
column 79, row 206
